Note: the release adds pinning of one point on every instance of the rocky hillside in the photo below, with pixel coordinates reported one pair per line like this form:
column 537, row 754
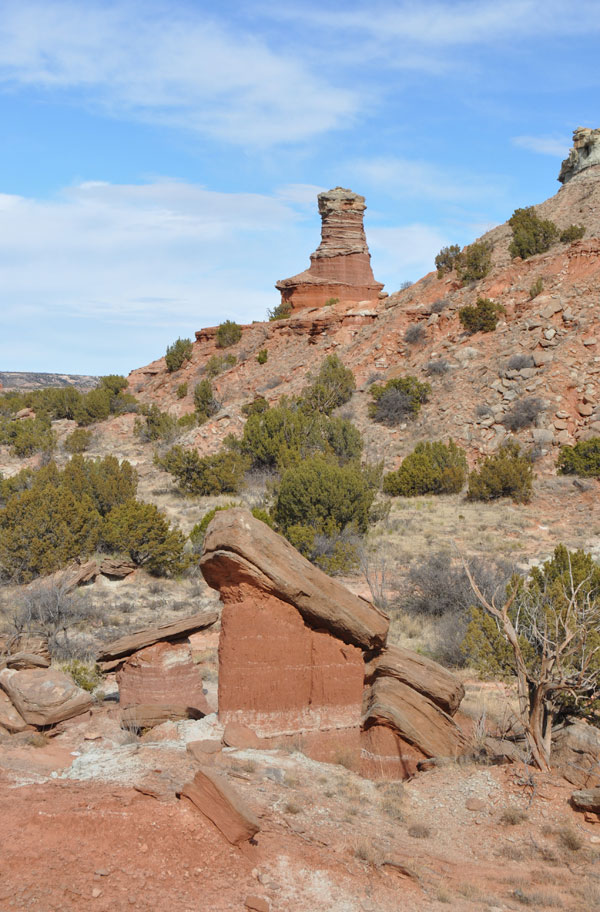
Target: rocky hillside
column 24, row 381
column 476, row 379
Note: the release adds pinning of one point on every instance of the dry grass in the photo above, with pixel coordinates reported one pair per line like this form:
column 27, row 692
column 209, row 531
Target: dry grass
column 420, row 831
column 513, row 816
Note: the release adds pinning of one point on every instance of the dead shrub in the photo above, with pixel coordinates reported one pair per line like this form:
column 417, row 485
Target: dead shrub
column 513, row 816
column 523, row 413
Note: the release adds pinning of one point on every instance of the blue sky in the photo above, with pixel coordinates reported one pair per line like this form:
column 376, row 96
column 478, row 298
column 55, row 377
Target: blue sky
column 160, row 162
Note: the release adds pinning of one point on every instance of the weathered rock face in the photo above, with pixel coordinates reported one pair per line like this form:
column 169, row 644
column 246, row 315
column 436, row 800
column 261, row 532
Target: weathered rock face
column 161, row 675
column 243, row 555
column 288, row 683
column 420, row 673
column 43, row 696
column 341, row 265
column 576, row 754
column 584, row 154
column 9, row 717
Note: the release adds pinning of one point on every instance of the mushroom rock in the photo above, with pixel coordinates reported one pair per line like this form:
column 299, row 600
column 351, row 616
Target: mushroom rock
column 340, row 267
column 584, row 154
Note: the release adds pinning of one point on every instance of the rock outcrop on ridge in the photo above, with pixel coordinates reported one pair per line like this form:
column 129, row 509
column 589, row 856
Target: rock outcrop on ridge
column 340, row 267
column 585, row 153
column 292, row 660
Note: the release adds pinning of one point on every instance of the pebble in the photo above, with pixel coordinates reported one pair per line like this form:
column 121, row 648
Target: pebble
column 96, row 893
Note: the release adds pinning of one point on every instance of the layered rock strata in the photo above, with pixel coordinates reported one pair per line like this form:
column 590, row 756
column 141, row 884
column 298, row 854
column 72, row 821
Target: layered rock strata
column 162, row 676
column 292, row 660
column 584, row 154
column 340, row 267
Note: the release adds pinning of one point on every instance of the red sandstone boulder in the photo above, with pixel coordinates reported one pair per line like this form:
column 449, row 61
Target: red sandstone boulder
column 149, row 715
column 576, row 754
column 385, row 755
column 31, row 645
column 9, row 717
column 115, row 653
column 201, row 749
column 44, row 696
column 243, row 555
column 420, row 673
column 240, row 736
column 415, row 718
column 117, row 568
column 160, row 675
column 216, row 799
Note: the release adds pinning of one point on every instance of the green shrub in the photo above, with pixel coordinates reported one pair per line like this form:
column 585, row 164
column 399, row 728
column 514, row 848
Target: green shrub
column 332, row 387
column 156, row 425
column 27, row 436
column 187, row 421
column 398, row 400
column 256, row 407
column 481, row 318
column 537, row 288
column 204, row 475
column 85, row 674
column 582, row 459
column 447, row 259
column 531, row 234
column 228, row 334
column 199, row 531
column 93, row 407
column 216, row 364
column 325, row 497
column 262, row 356
column 177, row 353
column 144, row 533
column 572, row 233
column 432, row 468
column 286, row 434
column 474, row 262
column 281, row 312
column 78, row 441
column 107, row 482
column 205, row 402
column 114, row 383
column 330, row 302
column 182, row 390
column 506, row 473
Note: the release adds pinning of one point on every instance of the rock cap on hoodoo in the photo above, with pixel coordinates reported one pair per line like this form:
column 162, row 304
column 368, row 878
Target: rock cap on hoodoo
column 340, row 199
column 584, row 154
column 241, row 550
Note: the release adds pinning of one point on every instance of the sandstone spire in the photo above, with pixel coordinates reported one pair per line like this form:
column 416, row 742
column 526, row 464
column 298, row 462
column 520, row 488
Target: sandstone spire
column 340, row 267
column 584, row 154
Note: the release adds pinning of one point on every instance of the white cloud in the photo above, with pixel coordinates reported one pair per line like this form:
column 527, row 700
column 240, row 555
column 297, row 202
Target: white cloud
column 169, row 65
column 404, row 178
column 543, row 145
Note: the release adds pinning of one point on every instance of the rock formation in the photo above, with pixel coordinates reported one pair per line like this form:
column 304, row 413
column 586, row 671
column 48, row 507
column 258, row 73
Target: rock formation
column 43, row 696
column 584, row 154
column 340, row 268
column 159, row 676
column 292, row 660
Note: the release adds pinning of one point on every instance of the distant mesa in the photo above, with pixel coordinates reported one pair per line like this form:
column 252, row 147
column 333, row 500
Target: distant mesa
column 584, row 154
column 340, row 267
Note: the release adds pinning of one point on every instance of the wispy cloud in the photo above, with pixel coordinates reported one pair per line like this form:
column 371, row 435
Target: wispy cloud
column 543, row 145
column 169, row 65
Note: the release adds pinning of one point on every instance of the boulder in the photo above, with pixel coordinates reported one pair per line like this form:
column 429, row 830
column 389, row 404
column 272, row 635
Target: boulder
column 414, row 717
column 21, row 660
column 240, row 736
column 44, row 696
column 31, row 645
column 420, row 673
column 9, row 717
column 243, row 555
column 576, row 754
column 291, row 685
column 114, row 654
column 162, row 674
column 385, row 755
column 149, row 715
column 201, row 749
column 217, row 799
column 587, row 800
column 116, row 568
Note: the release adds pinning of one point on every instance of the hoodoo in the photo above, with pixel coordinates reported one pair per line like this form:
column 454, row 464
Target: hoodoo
column 340, row 267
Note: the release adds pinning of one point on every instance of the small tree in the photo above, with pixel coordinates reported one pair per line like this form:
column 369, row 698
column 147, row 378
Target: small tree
column 177, row 353
column 432, row 468
column 205, row 402
column 546, row 632
column 582, row 459
column 474, row 262
column 531, row 234
column 572, row 233
column 144, row 533
column 481, row 318
column 332, row 387
column 280, row 312
column 400, row 399
column 228, row 334
column 506, row 473
column 447, row 259
column 78, row 441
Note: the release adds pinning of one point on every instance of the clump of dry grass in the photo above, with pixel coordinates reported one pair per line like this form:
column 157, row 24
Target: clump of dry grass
column 512, row 816
column 569, row 839
column 366, row 850
column 419, row 831
column 290, row 807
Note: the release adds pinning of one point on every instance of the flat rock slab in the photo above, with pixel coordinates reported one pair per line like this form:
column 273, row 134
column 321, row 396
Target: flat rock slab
column 218, row 800
column 148, row 715
column 414, row 717
column 241, row 552
column 420, row 673
column 44, row 696
column 112, row 655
